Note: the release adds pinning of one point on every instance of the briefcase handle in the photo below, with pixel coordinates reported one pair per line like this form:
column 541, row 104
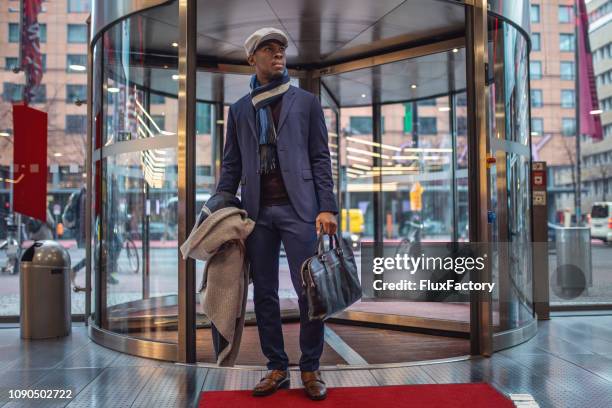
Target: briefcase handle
column 334, row 243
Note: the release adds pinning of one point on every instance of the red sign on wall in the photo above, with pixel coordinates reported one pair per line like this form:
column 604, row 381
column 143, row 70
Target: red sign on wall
column 30, row 162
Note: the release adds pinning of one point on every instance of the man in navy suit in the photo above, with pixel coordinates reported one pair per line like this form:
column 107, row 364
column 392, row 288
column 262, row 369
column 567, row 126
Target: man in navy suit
column 276, row 149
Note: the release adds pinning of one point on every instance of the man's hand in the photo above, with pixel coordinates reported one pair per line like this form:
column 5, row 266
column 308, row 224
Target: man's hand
column 328, row 219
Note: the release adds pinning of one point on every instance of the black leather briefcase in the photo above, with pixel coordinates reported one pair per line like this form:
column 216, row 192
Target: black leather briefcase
column 330, row 279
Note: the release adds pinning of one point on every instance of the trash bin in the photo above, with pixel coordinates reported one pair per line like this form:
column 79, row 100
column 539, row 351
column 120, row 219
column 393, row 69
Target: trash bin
column 44, row 286
column 574, row 267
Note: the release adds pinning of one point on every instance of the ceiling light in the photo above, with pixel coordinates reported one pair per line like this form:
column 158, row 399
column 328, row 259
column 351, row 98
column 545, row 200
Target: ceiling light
column 175, row 77
column 413, row 86
column 75, row 67
column 175, row 44
column 113, row 89
column 535, row 134
column 363, row 95
column 455, row 49
column 57, row 154
column 596, row 112
column 444, row 108
column 4, row 134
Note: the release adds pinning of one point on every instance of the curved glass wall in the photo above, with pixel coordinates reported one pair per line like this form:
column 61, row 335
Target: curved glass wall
column 413, row 162
column 509, row 133
column 135, row 209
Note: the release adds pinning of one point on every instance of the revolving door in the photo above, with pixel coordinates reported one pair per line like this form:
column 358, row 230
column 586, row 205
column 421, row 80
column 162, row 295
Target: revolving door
column 416, row 96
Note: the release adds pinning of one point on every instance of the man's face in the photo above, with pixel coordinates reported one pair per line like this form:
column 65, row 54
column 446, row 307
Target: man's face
column 269, row 59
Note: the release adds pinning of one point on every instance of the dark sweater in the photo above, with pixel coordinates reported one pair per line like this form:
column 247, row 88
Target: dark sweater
column 273, row 191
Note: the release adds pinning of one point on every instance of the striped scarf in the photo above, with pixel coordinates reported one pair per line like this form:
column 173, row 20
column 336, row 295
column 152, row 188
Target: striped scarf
column 262, row 96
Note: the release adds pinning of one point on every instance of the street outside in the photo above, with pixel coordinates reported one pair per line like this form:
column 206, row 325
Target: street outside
column 163, row 279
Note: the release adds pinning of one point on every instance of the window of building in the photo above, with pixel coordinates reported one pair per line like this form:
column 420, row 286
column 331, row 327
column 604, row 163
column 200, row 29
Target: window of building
column 428, row 125
column 536, row 98
column 362, row 125
column 427, row 102
column 605, row 78
column 78, row 6
column 14, row 93
column 567, row 70
column 76, row 63
column 160, row 121
column 537, row 126
column 565, row 14
column 535, row 69
column 10, row 63
column 535, row 42
column 568, row 98
column 566, row 42
column 535, row 13
column 77, row 33
column 76, row 124
column 157, row 99
column 43, row 32
column 203, row 118
column 41, row 94
column 76, row 92
column 461, row 125
column 568, row 126
column 461, row 99
column 13, row 32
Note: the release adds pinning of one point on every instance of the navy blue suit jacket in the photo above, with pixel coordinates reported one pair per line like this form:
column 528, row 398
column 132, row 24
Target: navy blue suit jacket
column 303, row 155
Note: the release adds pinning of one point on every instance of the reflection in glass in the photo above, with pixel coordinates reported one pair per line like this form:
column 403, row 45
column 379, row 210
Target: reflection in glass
column 138, row 196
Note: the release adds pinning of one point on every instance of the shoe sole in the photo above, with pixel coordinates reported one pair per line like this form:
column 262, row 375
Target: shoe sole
column 283, row 384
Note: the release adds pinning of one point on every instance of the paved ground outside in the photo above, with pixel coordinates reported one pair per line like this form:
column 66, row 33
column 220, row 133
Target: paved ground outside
column 163, row 279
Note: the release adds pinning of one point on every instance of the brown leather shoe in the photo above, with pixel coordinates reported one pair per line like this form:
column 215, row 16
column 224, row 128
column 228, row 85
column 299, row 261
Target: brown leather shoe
column 273, row 380
column 314, row 385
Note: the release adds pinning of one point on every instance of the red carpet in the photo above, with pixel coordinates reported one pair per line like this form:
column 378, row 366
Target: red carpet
column 422, row 396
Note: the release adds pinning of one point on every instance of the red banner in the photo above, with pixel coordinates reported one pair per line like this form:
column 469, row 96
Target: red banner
column 31, row 57
column 30, row 162
column 590, row 120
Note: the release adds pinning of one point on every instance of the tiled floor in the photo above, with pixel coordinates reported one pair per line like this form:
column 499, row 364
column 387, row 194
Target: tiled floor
column 568, row 364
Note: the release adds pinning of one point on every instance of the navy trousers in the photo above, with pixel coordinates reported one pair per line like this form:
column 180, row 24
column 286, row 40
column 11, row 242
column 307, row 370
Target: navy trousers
column 275, row 224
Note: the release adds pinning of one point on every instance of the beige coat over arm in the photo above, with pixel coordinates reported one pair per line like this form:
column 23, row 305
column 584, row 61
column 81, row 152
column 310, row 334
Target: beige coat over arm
column 220, row 241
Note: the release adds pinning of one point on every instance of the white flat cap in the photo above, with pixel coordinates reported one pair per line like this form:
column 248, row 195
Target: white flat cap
column 261, row 35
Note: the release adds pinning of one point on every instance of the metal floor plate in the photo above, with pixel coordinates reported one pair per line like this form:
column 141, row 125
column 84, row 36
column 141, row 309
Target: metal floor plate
column 567, row 365
column 114, row 387
column 231, row 379
column 177, row 386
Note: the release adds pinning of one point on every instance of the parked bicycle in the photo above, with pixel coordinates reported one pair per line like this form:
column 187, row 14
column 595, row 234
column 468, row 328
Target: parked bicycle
column 11, row 246
column 130, row 261
column 411, row 231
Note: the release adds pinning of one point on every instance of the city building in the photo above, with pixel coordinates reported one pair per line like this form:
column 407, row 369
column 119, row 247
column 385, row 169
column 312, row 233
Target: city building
column 553, row 99
column 62, row 94
column 597, row 155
